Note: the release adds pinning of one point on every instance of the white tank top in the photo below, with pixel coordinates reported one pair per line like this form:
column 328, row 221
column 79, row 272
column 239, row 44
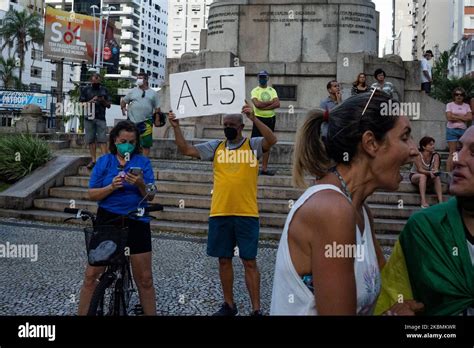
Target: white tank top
column 291, row 296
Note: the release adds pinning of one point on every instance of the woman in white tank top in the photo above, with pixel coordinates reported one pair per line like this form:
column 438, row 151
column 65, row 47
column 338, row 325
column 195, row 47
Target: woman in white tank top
column 328, row 261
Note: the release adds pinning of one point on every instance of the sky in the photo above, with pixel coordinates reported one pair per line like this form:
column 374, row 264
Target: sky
column 385, row 30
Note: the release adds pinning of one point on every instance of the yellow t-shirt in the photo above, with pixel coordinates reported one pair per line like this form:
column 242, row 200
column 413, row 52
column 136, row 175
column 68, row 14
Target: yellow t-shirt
column 235, row 181
column 264, row 95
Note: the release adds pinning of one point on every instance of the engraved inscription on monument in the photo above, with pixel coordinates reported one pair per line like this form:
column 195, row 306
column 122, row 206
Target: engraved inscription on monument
column 217, row 21
column 356, row 22
column 288, row 17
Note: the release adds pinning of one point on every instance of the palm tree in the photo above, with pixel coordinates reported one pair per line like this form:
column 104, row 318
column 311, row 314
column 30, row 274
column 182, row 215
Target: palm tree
column 7, row 68
column 20, row 30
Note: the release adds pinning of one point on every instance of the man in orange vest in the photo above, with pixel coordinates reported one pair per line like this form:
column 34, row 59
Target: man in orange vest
column 233, row 222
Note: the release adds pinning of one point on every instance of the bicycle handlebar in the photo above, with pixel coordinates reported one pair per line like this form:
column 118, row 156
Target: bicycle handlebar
column 71, row 211
column 84, row 214
column 154, row 207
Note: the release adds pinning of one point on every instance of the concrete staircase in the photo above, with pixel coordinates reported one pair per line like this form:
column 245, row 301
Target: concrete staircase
column 185, row 189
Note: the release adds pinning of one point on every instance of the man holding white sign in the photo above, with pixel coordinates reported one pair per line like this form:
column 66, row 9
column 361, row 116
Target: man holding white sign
column 233, row 222
column 207, row 92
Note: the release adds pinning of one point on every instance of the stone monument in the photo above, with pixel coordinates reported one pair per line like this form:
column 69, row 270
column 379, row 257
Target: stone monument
column 303, row 44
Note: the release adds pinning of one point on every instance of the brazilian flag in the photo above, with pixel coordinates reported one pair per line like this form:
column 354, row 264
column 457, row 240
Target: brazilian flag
column 430, row 264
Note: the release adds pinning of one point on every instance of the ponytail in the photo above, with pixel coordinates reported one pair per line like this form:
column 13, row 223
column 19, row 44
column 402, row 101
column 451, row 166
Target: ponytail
column 310, row 156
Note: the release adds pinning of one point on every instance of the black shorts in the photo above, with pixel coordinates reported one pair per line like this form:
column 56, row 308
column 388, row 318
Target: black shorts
column 139, row 233
column 268, row 121
column 426, row 86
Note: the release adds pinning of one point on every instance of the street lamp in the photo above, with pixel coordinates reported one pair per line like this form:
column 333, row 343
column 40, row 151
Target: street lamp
column 99, row 35
column 94, row 8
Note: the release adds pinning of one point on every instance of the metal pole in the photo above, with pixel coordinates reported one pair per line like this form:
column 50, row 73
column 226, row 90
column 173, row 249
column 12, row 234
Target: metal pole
column 99, row 40
column 60, row 76
column 95, row 37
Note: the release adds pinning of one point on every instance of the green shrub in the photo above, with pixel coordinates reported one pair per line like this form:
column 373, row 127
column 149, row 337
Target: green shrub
column 20, row 154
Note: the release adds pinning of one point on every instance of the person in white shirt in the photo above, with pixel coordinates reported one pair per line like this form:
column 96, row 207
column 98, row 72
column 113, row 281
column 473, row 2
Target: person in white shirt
column 426, row 76
column 328, row 261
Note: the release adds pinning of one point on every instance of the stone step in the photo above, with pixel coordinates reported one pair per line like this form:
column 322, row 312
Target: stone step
column 179, row 203
column 170, row 213
column 385, row 239
column 388, row 226
column 272, row 191
column 178, row 191
column 197, row 176
column 401, row 198
column 58, row 144
column 207, row 177
column 156, row 225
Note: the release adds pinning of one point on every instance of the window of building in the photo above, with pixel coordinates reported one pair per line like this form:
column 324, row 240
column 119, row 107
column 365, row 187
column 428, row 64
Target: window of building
column 53, row 75
column 36, row 54
column 35, row 72
column 285, row 92
column 35, row 87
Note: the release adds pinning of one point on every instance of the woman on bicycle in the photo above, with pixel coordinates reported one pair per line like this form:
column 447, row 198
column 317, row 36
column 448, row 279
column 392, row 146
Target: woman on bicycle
column 118, row 192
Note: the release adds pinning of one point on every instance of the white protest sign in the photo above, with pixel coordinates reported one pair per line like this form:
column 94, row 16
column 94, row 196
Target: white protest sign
column 207, row 92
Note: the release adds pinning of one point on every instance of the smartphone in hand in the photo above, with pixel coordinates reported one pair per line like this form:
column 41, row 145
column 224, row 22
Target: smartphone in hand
column 136, row 170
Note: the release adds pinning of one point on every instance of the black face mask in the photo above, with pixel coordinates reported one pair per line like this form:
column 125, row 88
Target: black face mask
column 96, row 85
column 230, row 133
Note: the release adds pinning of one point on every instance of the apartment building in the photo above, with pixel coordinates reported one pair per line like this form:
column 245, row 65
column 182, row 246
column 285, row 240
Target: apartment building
column 142, row 34
column 420, row 25
column 186, row 20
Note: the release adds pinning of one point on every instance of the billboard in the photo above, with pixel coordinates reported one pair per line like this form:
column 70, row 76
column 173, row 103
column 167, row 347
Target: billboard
column 69, row 35
column 17, row 100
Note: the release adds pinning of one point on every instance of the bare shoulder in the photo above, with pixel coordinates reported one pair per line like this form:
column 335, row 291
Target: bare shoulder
column 327, row 212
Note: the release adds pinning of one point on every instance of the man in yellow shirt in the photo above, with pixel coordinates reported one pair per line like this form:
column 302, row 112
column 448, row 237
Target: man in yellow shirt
column 265, row 101
column 233, row 222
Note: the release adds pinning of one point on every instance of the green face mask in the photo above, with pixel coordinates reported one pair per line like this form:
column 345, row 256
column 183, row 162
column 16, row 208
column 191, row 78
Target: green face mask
column 124, row 148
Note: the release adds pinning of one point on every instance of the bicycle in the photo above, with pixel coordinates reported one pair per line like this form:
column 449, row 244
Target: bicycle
column 114, row 291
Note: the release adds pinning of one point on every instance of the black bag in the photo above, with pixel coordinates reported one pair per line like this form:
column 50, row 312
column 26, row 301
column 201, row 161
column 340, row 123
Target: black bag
column 159, row 119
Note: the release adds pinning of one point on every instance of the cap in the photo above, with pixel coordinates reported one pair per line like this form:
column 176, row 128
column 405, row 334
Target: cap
column 429, row 51
column 263, row 73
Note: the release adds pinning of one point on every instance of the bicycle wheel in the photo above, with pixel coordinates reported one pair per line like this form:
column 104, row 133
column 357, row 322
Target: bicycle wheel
column 96, row 307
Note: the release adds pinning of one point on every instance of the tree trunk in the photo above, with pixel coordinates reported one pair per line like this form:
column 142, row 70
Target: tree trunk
column 21, row 53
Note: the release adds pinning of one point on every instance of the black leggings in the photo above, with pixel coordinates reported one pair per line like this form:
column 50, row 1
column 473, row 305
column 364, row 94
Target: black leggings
column 139, row 233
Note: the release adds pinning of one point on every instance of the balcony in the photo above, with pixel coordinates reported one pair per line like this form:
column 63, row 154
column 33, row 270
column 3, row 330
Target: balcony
column 128, row 49
column 126, row 11
column 129, row 24
column 128, row 61
column 126, row 74
column 134, row 3
column 128, row 35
